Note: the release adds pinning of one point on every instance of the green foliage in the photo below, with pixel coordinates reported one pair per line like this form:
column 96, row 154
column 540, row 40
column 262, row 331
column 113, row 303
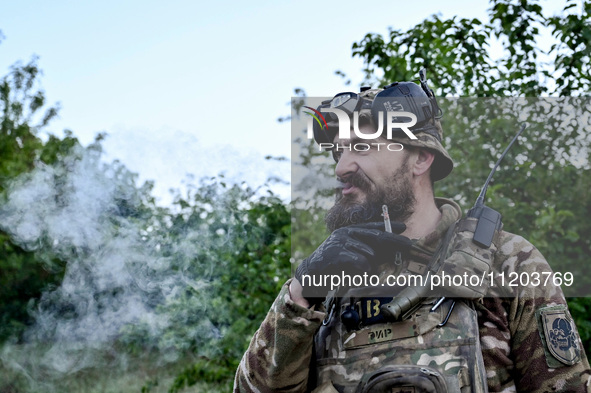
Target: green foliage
column 24, row 274
column 572, row 51
column 240, row 238
column 457, row 52
column 203, row 371
column 238, row 242
column 247, row 263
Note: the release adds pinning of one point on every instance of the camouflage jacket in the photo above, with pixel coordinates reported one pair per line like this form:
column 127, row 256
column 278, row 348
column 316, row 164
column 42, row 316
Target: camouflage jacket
column 520, row 331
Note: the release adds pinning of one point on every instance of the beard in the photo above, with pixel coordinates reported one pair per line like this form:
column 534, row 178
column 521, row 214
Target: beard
column 397, row 194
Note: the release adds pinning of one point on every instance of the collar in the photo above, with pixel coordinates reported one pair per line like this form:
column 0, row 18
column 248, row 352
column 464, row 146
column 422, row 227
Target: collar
column 450, row 213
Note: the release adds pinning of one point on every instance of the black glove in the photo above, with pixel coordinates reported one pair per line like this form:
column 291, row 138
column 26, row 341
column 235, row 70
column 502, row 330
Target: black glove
column 350, row 250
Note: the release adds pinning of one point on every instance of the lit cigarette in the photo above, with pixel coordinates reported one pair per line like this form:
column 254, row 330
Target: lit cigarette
column 386, row 218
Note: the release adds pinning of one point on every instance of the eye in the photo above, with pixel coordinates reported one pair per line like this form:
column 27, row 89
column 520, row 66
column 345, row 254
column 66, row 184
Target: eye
column 336, row 154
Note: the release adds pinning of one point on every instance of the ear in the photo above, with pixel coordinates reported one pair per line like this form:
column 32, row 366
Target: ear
column 423, row 161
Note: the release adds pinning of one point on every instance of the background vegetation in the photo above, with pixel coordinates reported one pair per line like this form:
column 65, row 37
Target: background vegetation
column 541, row 189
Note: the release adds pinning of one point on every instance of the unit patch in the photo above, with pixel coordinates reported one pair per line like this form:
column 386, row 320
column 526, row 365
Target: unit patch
column 558, row 333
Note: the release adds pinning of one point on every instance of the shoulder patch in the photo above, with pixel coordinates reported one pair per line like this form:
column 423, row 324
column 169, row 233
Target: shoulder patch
column 559, row 336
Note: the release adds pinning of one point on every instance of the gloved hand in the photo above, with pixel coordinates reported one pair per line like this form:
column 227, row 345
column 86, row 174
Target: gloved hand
column 354, row 249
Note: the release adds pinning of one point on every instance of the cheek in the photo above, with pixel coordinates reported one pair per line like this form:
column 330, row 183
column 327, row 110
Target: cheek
column 382, row 170
column 380, row 166
column 372, row 169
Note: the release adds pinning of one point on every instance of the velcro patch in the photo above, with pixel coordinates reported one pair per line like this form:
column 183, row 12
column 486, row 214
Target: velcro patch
column 559, row 336
column 383, row 332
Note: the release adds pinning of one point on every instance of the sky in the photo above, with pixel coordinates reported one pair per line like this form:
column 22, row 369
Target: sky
column 192, row 87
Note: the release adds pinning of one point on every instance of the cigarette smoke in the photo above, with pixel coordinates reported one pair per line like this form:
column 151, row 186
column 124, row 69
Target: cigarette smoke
column 120, row 269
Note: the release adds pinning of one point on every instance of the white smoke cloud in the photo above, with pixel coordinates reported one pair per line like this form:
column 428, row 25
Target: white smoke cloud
column 85, row 212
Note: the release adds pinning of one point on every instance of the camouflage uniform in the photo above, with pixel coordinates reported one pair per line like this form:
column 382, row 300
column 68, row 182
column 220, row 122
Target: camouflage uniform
column 522, row 331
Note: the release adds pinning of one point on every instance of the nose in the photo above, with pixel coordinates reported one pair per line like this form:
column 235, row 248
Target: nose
column 347, row 165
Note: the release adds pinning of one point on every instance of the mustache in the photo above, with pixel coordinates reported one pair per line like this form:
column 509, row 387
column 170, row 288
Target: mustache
column 358, row 179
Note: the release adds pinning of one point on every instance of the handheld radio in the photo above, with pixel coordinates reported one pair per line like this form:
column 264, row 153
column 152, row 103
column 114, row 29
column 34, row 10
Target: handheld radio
column 489, row 220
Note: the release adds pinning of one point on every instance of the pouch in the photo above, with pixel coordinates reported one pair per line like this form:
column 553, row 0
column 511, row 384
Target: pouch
column 403, row 379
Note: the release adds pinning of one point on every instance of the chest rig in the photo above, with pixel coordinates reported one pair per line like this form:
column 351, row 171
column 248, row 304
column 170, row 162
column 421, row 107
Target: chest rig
column 433, row 347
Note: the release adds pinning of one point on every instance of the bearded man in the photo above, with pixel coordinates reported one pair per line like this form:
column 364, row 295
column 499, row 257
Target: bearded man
column 378, row 338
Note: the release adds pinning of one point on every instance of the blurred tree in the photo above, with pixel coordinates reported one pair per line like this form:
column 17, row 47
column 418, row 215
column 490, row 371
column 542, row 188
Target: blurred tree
column 240, row 245
column 244, row 283
column 539, row 54
column 240, row 238
column 24, row 274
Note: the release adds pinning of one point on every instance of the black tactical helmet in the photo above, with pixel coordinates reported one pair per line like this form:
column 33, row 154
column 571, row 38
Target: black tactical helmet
column 396, row 97
column 406, row 97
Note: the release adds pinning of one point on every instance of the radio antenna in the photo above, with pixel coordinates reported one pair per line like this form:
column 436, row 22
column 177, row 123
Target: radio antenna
column 480, row 199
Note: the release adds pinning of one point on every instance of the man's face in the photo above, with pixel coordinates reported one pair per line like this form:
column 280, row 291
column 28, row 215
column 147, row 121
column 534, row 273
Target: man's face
column 370, row 179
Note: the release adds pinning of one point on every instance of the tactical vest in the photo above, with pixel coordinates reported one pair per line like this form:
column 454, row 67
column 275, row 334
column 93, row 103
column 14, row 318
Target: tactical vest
column 434, row 349
column 414, row 355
